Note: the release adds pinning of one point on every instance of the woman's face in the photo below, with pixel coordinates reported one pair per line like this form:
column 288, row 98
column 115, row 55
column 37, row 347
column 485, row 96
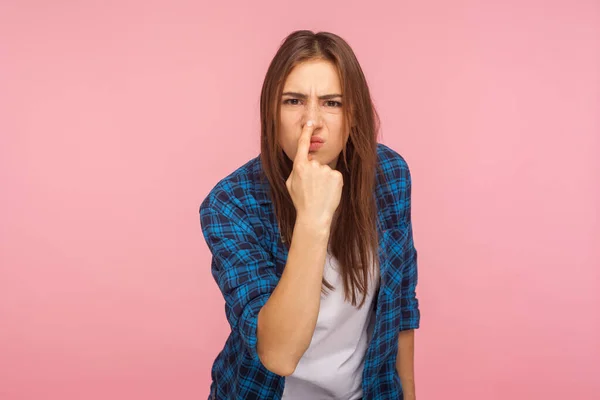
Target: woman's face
column 312, row 91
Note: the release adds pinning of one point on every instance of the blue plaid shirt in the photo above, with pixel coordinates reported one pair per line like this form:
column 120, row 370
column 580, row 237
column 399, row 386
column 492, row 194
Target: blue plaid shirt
column 248, row 257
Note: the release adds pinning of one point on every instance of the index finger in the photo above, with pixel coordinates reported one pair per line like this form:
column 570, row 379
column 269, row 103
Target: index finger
column 304, row 143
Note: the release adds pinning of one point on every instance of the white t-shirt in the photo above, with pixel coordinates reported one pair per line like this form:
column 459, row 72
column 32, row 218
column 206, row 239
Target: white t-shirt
column 332, row 366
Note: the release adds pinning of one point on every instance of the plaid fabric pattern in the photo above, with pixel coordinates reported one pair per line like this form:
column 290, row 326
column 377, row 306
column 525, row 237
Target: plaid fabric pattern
column 248, row 257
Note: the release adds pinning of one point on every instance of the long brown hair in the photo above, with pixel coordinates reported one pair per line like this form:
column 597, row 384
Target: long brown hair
column 353, row 238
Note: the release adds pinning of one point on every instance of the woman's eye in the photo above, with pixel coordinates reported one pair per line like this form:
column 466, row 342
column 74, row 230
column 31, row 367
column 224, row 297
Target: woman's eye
column 332, row 103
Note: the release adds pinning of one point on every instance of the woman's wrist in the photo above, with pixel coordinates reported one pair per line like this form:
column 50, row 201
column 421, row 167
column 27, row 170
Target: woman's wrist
column 320, row 227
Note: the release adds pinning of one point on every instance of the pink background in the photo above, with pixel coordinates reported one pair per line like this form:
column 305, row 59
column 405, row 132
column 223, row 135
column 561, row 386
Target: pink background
column 116, row 118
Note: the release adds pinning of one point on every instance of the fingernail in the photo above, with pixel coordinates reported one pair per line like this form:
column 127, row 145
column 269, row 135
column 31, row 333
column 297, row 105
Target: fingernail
column 309, row 123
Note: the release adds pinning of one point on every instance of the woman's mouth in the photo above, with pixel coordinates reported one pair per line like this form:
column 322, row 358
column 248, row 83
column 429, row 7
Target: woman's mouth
column 316, row 143
column 314, row 146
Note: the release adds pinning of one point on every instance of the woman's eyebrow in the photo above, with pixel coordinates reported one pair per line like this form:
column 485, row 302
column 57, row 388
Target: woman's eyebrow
column 303, row 96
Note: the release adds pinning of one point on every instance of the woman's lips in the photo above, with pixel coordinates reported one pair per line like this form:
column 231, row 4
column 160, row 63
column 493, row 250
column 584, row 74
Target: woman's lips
column 315, row 145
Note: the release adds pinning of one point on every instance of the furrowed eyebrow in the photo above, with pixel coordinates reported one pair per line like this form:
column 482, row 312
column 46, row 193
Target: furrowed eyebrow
column 303, row 96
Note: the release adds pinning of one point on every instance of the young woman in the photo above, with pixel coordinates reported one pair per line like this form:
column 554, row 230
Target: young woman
column 312, row 241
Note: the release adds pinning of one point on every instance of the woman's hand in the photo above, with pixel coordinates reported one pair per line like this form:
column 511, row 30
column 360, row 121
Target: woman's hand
column 315, row 189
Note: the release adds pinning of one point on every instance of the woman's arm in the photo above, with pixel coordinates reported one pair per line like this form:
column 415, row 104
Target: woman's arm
column 274, row 317
column 405, row 364
column 404, row 257
column 287, row 321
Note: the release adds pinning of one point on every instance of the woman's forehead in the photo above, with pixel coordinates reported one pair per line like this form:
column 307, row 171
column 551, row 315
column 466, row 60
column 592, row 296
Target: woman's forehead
column 313, row 78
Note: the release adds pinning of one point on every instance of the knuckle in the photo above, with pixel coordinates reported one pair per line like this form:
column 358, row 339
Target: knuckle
column 338, row 176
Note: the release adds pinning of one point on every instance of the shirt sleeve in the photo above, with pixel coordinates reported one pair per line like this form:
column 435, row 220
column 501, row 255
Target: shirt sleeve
column 411, row 315
column 243, row 270
column 405, row 255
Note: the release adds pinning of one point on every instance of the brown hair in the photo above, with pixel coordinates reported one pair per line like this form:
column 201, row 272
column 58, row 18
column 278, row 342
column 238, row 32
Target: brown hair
column 353, row 237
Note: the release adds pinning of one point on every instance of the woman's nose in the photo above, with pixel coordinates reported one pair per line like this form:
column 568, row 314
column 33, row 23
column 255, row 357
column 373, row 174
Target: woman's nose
column 313, row 112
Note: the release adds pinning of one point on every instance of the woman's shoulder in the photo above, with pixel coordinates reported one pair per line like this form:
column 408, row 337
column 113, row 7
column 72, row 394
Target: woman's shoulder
column 243, row 187
column 392, row 166
column 393, row 187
